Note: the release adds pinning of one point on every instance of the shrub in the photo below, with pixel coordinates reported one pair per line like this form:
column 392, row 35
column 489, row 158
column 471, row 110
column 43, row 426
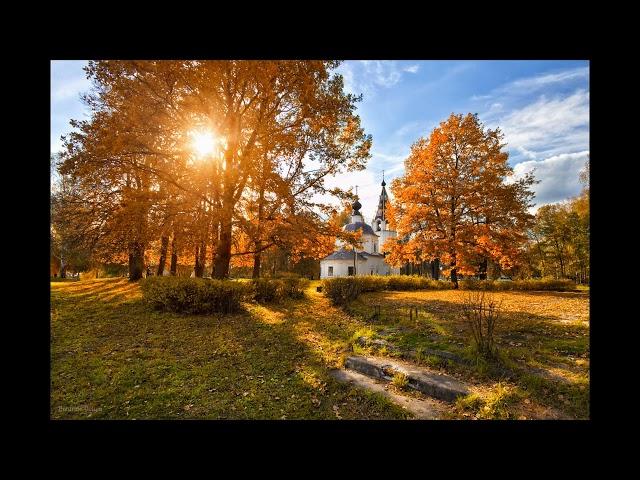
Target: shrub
column 548, row 284
column 195, row 295
column 373, row 283
column 342, row 290
column 481, row 313
column 275, row 290
column 295, row 286
column 268, row 290
column 414, row 282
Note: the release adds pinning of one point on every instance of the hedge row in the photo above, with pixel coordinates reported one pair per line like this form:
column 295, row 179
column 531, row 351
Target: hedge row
column 342, row 290
column 204, row 295
column 195, row 295
column 497, row 285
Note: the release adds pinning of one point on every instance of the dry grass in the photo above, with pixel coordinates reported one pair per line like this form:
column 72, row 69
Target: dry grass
column 542, row 338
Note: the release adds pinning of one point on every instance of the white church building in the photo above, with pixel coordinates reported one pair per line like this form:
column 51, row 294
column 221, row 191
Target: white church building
column 370, row 259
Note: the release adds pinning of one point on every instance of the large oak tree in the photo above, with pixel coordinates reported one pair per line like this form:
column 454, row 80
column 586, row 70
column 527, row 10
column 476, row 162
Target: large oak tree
column 458, row 200
column 134, row 160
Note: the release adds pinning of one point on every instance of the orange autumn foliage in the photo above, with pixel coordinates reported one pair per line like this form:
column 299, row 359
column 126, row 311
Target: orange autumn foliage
column 458, row 201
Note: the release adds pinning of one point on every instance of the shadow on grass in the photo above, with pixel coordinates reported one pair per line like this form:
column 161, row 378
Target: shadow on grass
column 116, row 359
column 543, row 355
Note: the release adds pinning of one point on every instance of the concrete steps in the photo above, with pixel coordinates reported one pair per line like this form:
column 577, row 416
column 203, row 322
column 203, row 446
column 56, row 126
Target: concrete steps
column 420, row 408
column 410, row 354
column 433, row 384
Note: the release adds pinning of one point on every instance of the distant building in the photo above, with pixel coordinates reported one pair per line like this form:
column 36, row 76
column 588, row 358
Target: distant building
column 370, row 260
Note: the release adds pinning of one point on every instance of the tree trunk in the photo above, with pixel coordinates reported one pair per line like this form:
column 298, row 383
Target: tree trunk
column 223, row 249
column 197, row 268
column 136, row 261
column 435, row 269
column 454, row 272
column 203, row 257
column 454, row 278
column 214, row 242
column 256, row 262
column 164, row 246
column 482, row 273
column 174, row 257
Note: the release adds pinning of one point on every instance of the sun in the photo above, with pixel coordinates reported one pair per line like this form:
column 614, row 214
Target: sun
column 203, row 142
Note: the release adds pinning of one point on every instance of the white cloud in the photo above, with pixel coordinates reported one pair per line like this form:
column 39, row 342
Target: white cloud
column 368, row 76
column 415, row 129
column 527, row 85
column 72, row 88
column 541, row 81
column 549, row 126
column 558, row 176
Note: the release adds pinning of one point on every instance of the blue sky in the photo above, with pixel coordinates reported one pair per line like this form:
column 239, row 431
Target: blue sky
column 541, row 106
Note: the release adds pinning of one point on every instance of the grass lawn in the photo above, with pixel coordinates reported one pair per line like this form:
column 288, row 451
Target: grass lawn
column 112, row 358
column 543, row 340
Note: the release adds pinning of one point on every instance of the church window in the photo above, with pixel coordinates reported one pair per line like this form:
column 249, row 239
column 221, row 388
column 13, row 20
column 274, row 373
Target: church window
column 330, row 272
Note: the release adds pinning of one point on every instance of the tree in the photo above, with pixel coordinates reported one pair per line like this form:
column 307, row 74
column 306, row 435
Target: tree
column 458, row 200
column 69, row 250
column 282, row 127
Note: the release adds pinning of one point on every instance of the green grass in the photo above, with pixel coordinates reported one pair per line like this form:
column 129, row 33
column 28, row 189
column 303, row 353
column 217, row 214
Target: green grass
column 542, row 369
column 113, row 358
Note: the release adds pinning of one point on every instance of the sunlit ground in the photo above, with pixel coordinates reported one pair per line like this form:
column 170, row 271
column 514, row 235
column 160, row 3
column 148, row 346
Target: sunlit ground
column 113, row 358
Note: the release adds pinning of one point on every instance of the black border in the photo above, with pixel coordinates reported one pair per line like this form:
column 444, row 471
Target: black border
column 416, row 46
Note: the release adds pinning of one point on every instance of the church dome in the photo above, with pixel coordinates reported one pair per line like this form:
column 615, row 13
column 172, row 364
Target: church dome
column 366, row 229
column 356, row 206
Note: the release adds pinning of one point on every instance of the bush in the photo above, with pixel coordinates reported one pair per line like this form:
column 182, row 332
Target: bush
column 549, row 284
column 342, row 290
column 268, row 290
column 373, row 283
column 195, row 295
column 295, row 286
column 414, row 282
column 482, row 313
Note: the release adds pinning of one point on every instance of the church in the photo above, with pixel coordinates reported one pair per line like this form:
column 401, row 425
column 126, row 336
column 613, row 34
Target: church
column 370, row 259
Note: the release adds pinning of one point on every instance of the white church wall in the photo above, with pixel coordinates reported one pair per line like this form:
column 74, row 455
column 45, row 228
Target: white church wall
column 372, row 266
column 340, row 268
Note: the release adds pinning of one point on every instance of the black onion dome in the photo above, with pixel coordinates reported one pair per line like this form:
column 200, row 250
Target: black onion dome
column 384, row 183
column 366, row 228
column 356, row 206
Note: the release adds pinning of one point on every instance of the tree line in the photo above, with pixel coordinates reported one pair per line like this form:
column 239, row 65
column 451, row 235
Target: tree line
column 559, row 243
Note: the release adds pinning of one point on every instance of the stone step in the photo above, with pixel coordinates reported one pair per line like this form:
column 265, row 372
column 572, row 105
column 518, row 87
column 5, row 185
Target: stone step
column 411, row 354
column 437, row 385
column 420, row 408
